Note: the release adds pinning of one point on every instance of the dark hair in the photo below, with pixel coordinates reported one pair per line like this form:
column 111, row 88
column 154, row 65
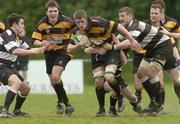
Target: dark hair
column 78, row 14
column 128, row 10
column 14, row 18
column 52, row 3
column 155, row 6
column 159, row 2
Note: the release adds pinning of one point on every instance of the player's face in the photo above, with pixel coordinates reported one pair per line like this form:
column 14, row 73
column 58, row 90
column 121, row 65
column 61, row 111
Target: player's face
column 155, row 15
column 125, row 18
column 20, row 27
column 82, row 23
column 52, row 14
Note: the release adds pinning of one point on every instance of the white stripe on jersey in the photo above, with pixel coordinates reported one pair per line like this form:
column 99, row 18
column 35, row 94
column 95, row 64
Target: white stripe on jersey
column 149, row 36
column 163, row 38
column 8, row 56
column 142, row 26
column 24, row 45
column 11, row 44
column 135, row 33
column 1, row 41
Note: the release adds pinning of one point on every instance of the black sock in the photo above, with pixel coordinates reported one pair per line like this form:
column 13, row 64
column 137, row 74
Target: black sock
column 177, row 91
column 100, row 93
column 116, row 88
column 19, row 101
column 113, row 101
column 61, row 93
column 162, row 96
column 156, row 91
column 147, row 86
column 138, row 92
column 9, row 98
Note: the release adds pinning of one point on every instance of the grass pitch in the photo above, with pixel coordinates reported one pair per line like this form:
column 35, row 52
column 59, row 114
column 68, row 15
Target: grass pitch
column 42, row 109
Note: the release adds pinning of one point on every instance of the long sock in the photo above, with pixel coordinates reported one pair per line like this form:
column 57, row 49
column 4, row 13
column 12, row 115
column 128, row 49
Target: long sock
column 61, row 93
column 177, row 91
column 147, row 86
column 138, row 94
column 156, row 89
column 113, row 101
column 135, row 103
column 9, row 98
column 162, row 96
column 100, row 93
column 19, row 101
column 116, row 88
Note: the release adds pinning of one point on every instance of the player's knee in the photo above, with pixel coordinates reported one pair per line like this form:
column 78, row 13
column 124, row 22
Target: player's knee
column 176, row 81
column 152, row 72
column 99, row 82
column 141, row 74
column 55, row 79
column 109, row 77
column 15, row 85
column 25, row 89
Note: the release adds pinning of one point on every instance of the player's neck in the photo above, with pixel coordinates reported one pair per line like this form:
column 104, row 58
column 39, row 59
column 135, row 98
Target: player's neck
column 156, row 24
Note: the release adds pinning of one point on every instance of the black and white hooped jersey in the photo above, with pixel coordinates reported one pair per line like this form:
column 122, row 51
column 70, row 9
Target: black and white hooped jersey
column 9, row 41
column 148, row 36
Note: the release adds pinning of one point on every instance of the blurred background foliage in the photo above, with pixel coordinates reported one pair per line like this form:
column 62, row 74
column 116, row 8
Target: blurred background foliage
column 33, row 10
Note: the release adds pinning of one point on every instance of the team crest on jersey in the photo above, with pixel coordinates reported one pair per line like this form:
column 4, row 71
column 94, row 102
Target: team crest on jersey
column 60, row 62
column 47, row 31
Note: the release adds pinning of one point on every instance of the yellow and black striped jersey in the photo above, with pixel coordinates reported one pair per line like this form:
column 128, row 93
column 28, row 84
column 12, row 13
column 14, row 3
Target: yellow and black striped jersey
column 171, row 25
column 2, row 27
column 60, row 31
column 99, row 30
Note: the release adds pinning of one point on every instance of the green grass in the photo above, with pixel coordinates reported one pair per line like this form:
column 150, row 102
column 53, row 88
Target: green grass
column 42, row 107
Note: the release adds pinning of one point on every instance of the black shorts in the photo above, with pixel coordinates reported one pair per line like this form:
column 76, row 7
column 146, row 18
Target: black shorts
column 170, row 63
column 136, row 61
column 6, row 72
column 163, row 51
column 58, row 58
column 21, row 64
column 110, row 57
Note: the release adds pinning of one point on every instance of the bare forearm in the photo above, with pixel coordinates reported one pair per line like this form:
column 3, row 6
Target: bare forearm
column 175, row 35
column 72, row 48
column 122, row 45
column 91, row 50
column 121, row 29
column 23, row 52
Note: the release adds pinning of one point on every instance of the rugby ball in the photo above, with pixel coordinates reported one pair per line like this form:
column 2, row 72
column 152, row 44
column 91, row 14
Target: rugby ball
column 77, row 38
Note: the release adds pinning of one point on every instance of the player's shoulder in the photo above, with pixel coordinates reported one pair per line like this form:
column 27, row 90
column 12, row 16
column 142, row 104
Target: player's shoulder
column 97, row 19
column 8, row 35
column 42, row 20
column 66, row 18
column 171, row 19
